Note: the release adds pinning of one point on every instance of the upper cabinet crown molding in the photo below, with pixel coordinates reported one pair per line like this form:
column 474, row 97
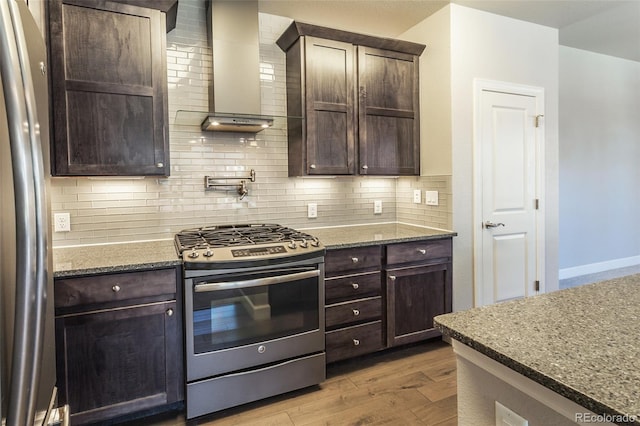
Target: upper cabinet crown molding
column 358, row 96
column 297, row 29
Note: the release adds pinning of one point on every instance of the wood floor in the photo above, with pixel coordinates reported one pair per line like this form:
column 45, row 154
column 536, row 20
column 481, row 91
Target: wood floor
column 415, row 385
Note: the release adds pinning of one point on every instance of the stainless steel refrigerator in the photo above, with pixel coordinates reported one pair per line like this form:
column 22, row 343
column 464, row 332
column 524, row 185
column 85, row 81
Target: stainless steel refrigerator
column 27, row 357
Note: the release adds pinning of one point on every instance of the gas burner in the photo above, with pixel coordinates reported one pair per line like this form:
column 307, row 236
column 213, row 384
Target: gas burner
column 222, row 243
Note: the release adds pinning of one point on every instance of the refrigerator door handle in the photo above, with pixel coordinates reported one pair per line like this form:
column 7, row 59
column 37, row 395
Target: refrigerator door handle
column 31, row 265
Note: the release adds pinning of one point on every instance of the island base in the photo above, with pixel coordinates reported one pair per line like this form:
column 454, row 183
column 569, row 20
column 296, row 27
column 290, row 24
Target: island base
column 483, row 382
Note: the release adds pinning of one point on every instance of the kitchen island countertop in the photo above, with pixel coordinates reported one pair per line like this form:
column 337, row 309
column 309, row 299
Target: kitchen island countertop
column 108, row 258
column 582, row 343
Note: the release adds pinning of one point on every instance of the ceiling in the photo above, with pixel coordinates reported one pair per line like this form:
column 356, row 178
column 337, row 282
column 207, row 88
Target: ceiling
column 611, row 27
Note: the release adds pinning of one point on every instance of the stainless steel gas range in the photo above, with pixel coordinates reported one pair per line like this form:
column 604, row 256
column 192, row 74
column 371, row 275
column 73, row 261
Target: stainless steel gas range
column 254, row 313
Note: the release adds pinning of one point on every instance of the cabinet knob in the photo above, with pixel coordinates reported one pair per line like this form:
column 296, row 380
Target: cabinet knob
column 115, row 288
column 392, row 277
column 422, row 251
column 356, row 312
column 313, row 166
column 169, row 312
column 356, row 342
column 365, row 167
column 355, row 286
column 355, row 259
column 159, row 165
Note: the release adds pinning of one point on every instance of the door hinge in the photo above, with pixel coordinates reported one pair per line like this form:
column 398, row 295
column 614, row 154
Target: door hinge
column 539, row 119
column 537, row 203
column 537, row 285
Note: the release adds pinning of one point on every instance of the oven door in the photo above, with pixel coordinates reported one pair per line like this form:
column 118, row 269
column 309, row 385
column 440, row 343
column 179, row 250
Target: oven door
column 245, row 319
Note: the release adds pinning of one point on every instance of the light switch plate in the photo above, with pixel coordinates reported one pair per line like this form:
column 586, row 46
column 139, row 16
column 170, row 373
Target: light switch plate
column 507, row 417
column 312, row 210
column 377, row 207
column 431, row 198
column 417, row 197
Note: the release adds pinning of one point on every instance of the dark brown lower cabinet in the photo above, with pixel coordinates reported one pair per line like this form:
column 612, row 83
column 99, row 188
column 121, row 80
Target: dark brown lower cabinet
column 414, row 296
column 365, row 313
column 118, row 344
column 118, row 361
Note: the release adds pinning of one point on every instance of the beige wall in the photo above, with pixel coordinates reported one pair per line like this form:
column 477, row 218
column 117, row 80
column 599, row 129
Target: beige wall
column 471, row 44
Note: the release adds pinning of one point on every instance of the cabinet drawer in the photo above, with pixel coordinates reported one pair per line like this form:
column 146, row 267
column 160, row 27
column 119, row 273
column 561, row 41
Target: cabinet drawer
column 418, row 251
column 355, row 311
column 353, row 341
column 343, row 261
column 352, row 287
column 114, row 287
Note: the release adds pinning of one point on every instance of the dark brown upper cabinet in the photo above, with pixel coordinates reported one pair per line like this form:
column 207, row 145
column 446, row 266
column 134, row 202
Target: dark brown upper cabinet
column 358, row 97
column 388, row 112
column 108, row 85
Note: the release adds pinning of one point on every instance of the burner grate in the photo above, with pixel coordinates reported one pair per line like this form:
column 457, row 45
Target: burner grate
column 236, row 235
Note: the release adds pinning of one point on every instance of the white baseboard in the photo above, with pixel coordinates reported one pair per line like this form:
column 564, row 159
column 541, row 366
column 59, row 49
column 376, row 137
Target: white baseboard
column 594, row 268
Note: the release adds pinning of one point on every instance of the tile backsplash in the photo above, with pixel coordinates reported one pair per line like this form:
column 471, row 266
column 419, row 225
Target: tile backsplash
column 121, row 210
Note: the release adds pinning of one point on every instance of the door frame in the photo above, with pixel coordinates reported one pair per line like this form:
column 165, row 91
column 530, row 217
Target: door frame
column 480, row 85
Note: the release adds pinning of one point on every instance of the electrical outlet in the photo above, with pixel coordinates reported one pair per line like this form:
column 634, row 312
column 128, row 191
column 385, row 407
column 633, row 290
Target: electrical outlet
column 416, row 196
column 312, row 210
column 377, row 207
column 431, row 198
column 62, row 222
column 507, row 417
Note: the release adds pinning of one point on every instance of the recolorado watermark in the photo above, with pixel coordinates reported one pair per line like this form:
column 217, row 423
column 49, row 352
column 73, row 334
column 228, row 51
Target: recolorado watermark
column 606, row 418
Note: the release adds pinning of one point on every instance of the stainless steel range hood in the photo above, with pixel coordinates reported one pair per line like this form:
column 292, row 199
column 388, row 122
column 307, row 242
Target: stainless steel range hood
column 234, row 95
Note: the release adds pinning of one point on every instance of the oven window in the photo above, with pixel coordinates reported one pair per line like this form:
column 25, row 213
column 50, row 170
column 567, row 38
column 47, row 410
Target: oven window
column 225, row 318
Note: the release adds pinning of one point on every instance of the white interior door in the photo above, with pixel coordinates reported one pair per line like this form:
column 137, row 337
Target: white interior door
column 508, row 200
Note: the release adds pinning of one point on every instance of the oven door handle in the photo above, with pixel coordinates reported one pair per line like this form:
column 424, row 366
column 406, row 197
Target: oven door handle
column 229, row 285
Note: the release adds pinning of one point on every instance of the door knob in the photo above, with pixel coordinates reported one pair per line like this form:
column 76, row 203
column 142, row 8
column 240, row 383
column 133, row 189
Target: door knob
column 488, row 224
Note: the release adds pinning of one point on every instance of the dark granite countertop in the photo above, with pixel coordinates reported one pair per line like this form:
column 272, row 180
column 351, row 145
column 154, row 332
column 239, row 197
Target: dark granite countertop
column 107, row 258
column 386, row 233
column 582, row 343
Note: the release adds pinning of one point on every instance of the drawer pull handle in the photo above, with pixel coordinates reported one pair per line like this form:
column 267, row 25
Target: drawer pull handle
column 355, row 259
column 356, row 342
column 422, row 251
column 170, row 312
column 355, row 286
column 356, row 312
column 392, row 277
column 115, row 288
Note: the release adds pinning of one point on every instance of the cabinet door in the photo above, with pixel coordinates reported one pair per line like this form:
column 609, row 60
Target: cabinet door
column 330, row 103
column 108, row 79
column 389, row 140
column 118, row 361
column 414, row 296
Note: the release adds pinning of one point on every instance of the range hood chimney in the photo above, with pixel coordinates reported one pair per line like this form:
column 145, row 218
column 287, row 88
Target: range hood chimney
column 234, row 95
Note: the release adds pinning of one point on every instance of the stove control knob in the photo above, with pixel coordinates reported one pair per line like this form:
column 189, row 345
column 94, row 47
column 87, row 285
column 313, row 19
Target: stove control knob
column 292, row 245
column 304, row 243
column 208, row 252
column 315, row 242
column 194, row 254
